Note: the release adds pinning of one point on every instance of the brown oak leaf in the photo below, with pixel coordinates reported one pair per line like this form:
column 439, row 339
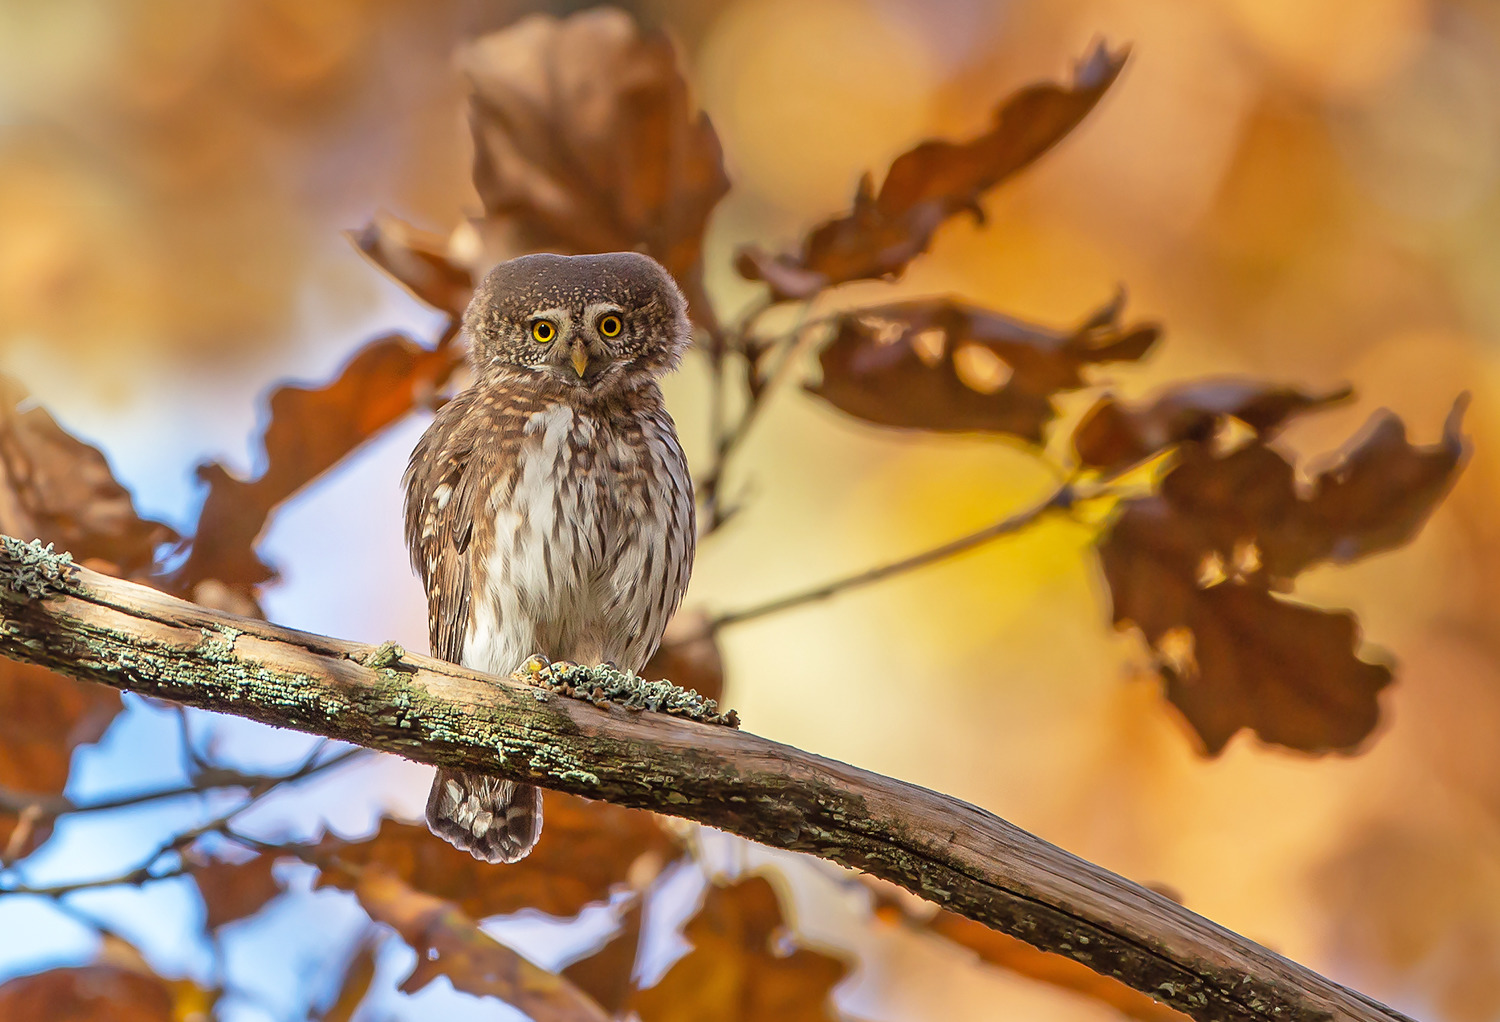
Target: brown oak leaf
column 1115, row 434
column 1197, row 568
column 605, row 974
column 359, row 974
column 448, row 943
column 60, row 490
column 586, row 140
column 310, row 430
column 43, row 718
column 738, row 971
column 942, row 365
column 234, row 890
column 929, row 184
column 418, row 261
column 89, row 993
column 587, row 849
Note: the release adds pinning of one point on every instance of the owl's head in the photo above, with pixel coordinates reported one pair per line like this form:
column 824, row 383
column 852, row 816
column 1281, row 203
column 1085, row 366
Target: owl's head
column 586, row 323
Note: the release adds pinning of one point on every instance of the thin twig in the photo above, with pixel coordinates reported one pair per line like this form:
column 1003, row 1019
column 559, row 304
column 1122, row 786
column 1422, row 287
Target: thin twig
column 144, row 872
column 213, row 779
column 1060, row 500
column 722, row 438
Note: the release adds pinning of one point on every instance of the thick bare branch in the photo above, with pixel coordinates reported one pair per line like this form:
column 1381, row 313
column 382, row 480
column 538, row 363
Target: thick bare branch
column 102, row 629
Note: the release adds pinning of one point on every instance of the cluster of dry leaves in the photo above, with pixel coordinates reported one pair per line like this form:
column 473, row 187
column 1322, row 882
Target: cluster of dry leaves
column 586, row 140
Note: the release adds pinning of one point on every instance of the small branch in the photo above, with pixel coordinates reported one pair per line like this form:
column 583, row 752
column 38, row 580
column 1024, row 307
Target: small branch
column 48, row 807
column 144, row 873
column 724, row 439
column 1062, row 499
column 102, row 629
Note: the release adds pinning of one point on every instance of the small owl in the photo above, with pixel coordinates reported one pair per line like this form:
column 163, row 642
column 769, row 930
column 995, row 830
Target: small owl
column 548, row 507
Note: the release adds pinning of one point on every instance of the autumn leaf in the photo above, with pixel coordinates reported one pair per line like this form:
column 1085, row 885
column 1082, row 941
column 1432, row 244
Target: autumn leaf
column 737, row 972
column 941, row 365
column 448, row 943
column 234, row 890
column 60, row 490
column 90, row 993
column 587, row 849
column 927, row 185
column 585, row 140
column 1114, row 434
column 358, row 976
column 605, row 974
column 1377, row 494
column 418, row 261
column 1198, row 569
column 43, row 718
column 311, row 429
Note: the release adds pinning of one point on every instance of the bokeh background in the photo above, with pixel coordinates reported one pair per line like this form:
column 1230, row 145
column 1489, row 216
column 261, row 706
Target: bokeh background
column 1304, row 190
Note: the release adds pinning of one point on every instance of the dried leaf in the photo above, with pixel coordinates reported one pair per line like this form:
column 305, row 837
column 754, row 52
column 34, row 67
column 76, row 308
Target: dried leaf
column 1114, row 434
column 43, row 718
column 310, row 430
column 941, row 365
column 90, row 993
column 736, row 971
column 234, row 890
column 931, row 183
column 418, row 261
column 1379, row 493
column 605, row 974
column 358, row 976
column 60, row 490
column 585, row 140
column 448, row 943
column 689, row 656
column 1194, row 568
column 587, row 849
column 1233, row 655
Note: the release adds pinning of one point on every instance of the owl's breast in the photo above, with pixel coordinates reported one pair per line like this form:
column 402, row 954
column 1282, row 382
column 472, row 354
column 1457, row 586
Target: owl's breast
column 574, row 532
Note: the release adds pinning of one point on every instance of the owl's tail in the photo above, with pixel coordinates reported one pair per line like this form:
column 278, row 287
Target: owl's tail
column 491, row 819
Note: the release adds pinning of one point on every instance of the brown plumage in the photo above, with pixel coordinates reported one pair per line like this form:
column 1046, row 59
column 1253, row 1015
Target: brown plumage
column 548, row 507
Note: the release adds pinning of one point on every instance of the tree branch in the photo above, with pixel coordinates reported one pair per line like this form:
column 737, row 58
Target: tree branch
column 102, row 629
column 1060, row 500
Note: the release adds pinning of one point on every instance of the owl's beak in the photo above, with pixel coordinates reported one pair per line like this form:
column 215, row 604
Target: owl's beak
column 580, row 359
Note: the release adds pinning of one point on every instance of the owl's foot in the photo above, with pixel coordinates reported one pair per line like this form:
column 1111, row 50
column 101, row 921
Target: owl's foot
column 606, row 684
column 537, row 668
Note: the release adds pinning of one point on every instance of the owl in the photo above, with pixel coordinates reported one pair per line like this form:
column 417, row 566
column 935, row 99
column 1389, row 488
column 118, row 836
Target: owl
column 548, row 507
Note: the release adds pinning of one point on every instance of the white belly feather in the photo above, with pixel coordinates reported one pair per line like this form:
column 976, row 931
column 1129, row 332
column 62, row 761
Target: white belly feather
column 592, row 550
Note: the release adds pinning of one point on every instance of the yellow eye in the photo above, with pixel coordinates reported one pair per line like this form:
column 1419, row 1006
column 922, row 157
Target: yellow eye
column 543, row 332
column 610, row 325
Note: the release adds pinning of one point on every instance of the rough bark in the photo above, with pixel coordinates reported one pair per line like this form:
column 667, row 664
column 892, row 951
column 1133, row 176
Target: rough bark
column 101, row 629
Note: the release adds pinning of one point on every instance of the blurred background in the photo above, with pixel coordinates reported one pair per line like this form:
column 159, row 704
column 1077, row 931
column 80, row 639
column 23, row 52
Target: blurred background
column 1302, row 190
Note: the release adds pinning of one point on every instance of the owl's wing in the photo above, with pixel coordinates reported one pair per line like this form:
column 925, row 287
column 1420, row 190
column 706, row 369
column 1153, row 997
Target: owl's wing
column 442, row 485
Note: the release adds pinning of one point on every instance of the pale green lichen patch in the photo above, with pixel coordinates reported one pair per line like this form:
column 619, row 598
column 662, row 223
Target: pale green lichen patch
column 604, row 685
column 34, row 570
column 387, row 654
column 545, row 757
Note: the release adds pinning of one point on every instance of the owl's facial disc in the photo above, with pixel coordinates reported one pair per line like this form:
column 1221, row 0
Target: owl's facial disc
column 588, row 323
column 572, row 344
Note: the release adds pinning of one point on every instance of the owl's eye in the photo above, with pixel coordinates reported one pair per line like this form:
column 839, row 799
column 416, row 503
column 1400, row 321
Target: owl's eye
column 610, row 325
column 543, row 332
